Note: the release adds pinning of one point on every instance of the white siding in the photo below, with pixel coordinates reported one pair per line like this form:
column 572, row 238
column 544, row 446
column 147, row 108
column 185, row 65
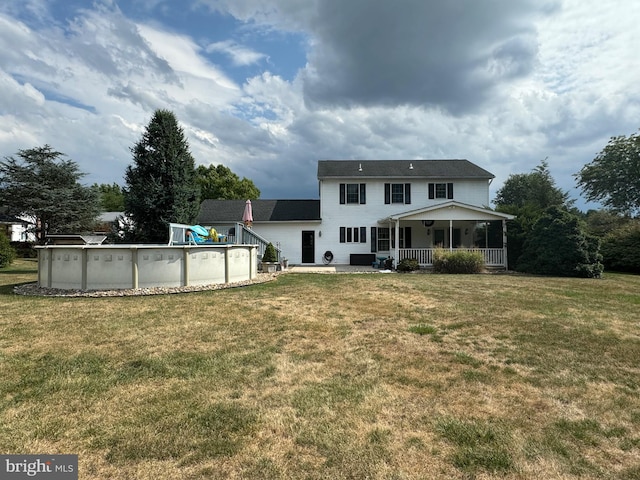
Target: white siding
column 334, row 215
column 288, row 237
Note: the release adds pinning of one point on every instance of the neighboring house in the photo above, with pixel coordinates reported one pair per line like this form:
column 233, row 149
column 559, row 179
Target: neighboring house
column 16, row 229
column 373, row 209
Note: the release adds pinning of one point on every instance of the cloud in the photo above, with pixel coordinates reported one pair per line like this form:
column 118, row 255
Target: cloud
column 240, row 55
column 452, row 54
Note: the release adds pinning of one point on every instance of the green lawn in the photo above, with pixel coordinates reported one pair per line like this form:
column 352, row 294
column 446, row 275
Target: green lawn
column 314, row 376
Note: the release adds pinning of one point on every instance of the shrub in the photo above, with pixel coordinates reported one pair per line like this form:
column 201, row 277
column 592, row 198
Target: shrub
column 408, row 265
column 445, row 261
column 7, row 253
column 558, row 245
column 24, row 249
column 621, row 248
column 270, row 255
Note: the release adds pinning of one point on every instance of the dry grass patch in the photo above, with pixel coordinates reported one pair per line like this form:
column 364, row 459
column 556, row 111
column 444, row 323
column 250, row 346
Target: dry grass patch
column 330, row 376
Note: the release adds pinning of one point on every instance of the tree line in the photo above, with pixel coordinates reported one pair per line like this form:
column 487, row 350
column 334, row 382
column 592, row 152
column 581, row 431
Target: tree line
column 163, row 185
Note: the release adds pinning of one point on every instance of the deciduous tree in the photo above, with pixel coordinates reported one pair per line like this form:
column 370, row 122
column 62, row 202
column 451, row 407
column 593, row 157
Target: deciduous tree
column 220, row 183
column 613, row 177
column 111, row 197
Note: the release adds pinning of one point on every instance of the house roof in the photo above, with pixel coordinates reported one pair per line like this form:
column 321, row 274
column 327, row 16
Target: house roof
column 449, row 210
column 401, row 169
column 12, row 219
column 216, row 211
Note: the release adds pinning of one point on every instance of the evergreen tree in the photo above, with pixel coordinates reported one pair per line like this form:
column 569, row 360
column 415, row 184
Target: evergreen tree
column 558, row 245
column 45, row 187
column 161, row 185
column 527, row 196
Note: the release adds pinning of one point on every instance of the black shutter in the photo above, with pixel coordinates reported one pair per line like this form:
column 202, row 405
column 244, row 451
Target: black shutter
column 407, row 237
column 432, row 191
column 343, row 234
column 407, row 193
column 387, row 193
column 449, row 190
column 374, row 239
column 363, row 193
column 343, row 194
column 363, row 234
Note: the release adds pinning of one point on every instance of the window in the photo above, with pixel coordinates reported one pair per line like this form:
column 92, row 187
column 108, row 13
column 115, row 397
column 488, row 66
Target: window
column 440, row 190
column 397, row 193
column 383, row 239
column 353, row 193
column 384, row 243
column 353, row 235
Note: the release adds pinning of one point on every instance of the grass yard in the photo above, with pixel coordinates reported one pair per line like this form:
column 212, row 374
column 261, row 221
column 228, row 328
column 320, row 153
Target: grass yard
column 313, row 376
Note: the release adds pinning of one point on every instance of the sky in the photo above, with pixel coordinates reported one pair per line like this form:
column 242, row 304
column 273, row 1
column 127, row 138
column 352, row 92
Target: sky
column 269, row 87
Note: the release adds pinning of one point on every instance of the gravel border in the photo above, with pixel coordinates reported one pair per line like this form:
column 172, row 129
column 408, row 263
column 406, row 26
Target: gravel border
column 32, row 289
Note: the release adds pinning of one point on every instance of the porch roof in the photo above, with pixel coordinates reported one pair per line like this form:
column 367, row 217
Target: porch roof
column 449, row 211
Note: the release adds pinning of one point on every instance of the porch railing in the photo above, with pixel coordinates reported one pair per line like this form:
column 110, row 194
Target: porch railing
column 493, row 257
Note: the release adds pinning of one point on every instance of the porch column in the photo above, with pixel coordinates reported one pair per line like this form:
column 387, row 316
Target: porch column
column 450, row 234
column 396, row 232
column 504, row 244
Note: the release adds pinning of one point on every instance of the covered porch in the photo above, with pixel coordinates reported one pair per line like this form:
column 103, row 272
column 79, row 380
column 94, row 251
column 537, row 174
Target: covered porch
column 453, row 226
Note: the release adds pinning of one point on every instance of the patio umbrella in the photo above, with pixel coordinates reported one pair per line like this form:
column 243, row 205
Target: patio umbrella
column 247, row 215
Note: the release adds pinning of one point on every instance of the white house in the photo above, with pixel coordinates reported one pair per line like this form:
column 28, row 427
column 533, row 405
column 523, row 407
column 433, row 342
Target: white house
column 16, row 229
column 370, row 210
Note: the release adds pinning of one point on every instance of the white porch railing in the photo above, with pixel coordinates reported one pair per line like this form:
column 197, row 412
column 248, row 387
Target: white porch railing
column 493, row 257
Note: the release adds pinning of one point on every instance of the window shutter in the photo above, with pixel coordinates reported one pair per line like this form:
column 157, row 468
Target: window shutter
column 407, row 193
column 432, row 191
column 343, row 194
column 374, row 239
column 387, row 193
column 449, row 190
column 363, row 234
column 343, row 234
column 407, row 237
column 363, row 193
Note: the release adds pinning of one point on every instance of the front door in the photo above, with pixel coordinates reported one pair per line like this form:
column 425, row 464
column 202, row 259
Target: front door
column 308, row 246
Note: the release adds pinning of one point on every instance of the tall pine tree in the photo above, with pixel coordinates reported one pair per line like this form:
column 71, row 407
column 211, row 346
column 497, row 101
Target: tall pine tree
column 161, row 185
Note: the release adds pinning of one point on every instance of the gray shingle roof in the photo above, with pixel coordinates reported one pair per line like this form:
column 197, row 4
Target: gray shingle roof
column 401, row 169
column 217, row 211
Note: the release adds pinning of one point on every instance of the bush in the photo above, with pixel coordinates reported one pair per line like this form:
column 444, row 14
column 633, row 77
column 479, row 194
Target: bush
column 621, row 249
column 24, row 249
column 558, row 245
column 408, row 265
column 7, row 253
column 445, row 261
column 270, row 255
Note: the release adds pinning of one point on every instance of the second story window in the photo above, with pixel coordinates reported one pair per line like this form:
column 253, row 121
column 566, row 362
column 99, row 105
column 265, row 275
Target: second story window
column 353, row 193
column 441, row 190
column 397, row 193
